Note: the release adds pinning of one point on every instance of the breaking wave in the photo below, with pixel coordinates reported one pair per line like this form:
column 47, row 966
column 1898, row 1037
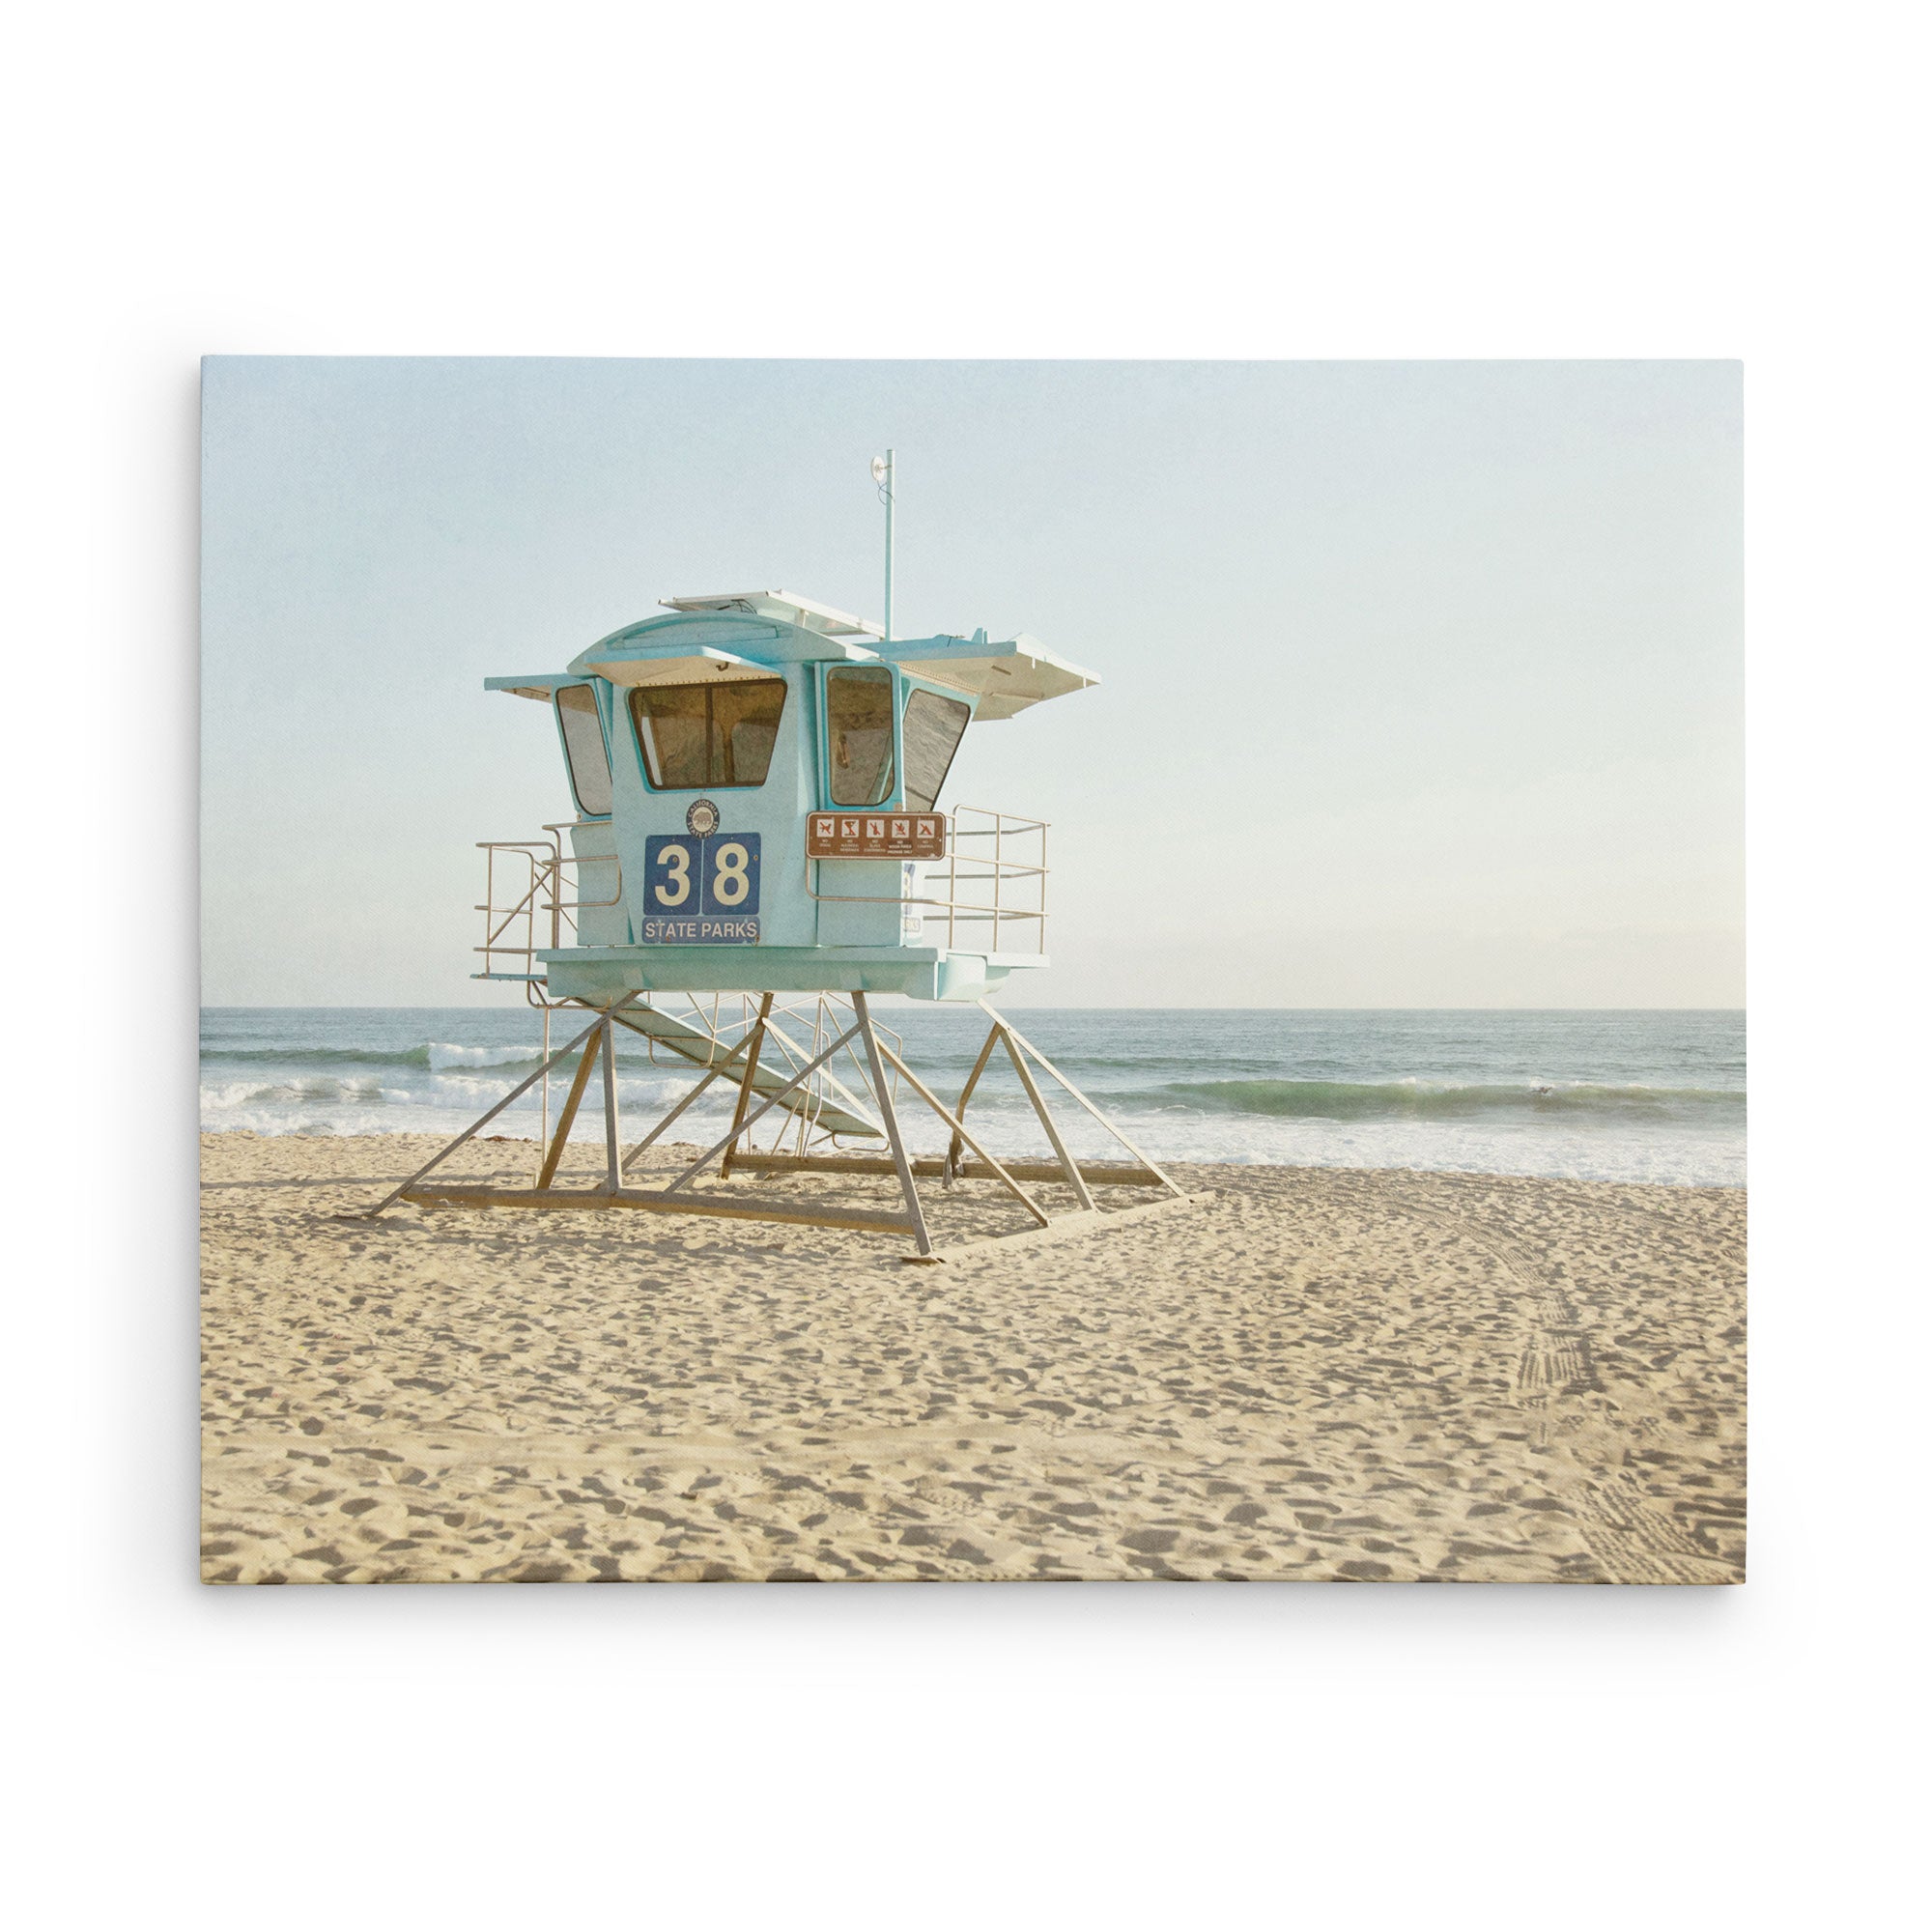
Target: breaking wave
column 1609, row 1096
column 1409, row 1100
column 436, row 1056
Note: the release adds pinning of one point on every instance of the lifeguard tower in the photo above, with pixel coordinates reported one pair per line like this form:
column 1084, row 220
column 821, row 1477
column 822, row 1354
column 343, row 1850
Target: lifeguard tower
column 759, row 843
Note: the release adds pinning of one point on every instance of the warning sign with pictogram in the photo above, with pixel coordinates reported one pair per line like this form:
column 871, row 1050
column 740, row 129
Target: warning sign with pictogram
column 875, row 835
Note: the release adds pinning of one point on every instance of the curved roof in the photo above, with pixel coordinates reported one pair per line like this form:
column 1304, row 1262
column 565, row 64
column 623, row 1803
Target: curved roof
column 744, row 633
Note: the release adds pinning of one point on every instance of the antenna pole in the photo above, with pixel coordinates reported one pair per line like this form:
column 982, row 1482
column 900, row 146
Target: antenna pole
column 888, row 493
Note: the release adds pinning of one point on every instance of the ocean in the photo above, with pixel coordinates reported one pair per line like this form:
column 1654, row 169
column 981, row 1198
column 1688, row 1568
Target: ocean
column 1641, row 1095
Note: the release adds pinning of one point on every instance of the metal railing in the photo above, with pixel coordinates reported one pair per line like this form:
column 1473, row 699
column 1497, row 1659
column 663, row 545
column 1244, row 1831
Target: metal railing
column 993, row 875
column 989, row 891
column 525, row 908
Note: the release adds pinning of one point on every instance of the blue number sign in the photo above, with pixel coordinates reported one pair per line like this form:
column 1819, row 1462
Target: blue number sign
column 701, row 892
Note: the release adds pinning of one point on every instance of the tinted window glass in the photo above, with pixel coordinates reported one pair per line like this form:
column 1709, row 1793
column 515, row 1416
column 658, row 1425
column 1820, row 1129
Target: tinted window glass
column 673, row 727
column 583, row 748
column 700, row 735
column 859, row 728
column 743, row 728
column 933, row 729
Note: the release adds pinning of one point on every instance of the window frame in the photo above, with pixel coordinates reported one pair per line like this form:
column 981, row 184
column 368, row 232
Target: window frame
column 914, row 689
column 563, row 742
column 633, row 704
column 894, row 799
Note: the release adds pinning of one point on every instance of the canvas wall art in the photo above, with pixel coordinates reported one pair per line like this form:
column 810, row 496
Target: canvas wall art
column 972, row 972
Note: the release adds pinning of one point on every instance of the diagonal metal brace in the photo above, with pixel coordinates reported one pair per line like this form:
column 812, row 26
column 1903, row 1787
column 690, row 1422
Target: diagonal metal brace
column 515, row 1093
column 744, row 1127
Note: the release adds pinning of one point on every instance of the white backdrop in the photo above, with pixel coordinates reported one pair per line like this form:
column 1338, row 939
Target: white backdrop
column 1483, row 181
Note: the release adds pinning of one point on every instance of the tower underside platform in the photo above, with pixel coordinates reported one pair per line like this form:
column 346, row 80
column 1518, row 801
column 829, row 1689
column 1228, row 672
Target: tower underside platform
column 816, row 1087
column 599, row 974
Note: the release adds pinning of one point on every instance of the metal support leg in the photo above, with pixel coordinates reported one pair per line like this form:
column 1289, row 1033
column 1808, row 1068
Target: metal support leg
column 612, row 1175
column 958, row 1140
column 543, row 1127
column 954, row 1122
column 475, row 1127
column 567, row 1119
column 921, row 1239
column 828, row 1081
column 798, row 1079
column 1046, row 1066
column 694, row 1094
column 745, row 1085
column 1068, row 1165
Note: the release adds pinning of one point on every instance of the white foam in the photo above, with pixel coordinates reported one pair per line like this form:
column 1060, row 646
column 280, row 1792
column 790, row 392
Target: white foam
column 440, row 1087
column 443, row 1055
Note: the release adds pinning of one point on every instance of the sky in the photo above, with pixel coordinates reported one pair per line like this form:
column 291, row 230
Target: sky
column 1422, row 683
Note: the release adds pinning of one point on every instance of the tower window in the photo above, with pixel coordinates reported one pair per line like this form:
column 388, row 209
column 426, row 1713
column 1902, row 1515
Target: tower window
column 859, row 734
column 933, row 729
column 583, row 750
column 702, row 736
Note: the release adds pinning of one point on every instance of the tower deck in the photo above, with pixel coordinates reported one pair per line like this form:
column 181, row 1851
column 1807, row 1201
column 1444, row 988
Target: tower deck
column 597, row 974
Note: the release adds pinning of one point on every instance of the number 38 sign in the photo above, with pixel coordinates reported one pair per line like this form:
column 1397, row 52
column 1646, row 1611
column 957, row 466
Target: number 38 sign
column 701, row 890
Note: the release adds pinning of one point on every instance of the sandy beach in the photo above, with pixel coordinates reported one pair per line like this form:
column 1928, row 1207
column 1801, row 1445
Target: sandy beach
column 1318, row 1374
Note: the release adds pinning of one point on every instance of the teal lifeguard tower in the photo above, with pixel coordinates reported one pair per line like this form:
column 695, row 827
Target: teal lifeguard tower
column 761, row 839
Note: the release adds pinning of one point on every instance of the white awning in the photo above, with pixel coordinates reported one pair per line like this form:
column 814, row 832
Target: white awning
column 541, row 685
column 1006, row 677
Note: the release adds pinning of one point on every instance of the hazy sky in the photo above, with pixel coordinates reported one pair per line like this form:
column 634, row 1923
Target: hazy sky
column 1422, row 682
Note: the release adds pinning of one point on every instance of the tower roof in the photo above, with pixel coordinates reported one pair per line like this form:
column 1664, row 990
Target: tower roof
column 743, row 634
column 803, row 612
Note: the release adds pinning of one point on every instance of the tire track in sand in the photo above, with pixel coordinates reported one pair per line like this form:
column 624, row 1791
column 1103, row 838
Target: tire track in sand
column 1633, row 1541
